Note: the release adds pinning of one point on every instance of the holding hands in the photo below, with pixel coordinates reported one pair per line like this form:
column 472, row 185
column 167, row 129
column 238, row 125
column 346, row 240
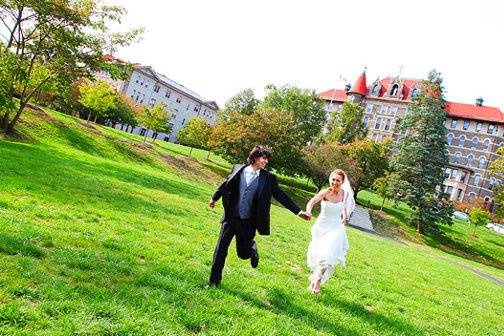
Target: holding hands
column 305, row 215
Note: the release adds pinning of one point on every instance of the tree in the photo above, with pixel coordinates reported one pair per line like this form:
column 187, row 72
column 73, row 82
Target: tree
column 99, row 97
column 346, row 125
column 372, row 159
column 244, row 102
column 497, row 170
column 383, row 185
column 478, row 217
column 421, row 157
column 321, row 159
column 156, row 118
column 50, row 43
column 125, row 111
column 196, row 133
column 234, row 139
column 306, row 108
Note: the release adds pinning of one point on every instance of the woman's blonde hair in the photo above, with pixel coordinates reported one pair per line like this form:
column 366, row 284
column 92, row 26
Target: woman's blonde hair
column 337, row 172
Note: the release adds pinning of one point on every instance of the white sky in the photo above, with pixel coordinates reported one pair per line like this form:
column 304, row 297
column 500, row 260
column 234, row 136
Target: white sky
column 219, row 47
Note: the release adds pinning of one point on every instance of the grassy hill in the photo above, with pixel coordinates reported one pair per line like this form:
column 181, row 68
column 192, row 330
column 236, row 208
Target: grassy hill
column 102, row 234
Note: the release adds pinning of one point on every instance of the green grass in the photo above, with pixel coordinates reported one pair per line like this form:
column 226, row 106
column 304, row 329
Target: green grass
column 101, row 234
column 484, row 246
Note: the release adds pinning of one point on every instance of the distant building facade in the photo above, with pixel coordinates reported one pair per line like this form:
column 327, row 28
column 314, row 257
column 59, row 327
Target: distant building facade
column 147, row 87
column 474, row 132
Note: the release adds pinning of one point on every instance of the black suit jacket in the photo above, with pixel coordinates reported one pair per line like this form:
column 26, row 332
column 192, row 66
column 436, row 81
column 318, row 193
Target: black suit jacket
column 268, row 186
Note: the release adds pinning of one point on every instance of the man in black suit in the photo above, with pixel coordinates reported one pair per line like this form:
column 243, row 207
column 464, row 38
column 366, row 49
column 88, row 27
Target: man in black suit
column 246, row 197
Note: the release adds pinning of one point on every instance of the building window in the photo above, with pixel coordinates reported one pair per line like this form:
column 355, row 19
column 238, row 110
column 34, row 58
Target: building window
column 156, row 88
column 472, row 196
column 183, row 121
column 387, row 124
column 462, row 140
column 449, row 139
column 179, row 100
column 376, row 90
column 167, row 94
column 195, row 108
column 486, row 143
column 142, row 131
column 470, row 159
column 481, row 162
column 369, row 108
column 463, row 175
column 477, row 180
column 166, row 139
column 366, row 121
column 460, row 195
column 154, row 135
column 447, row 172
column 454, row 174
column 453, row 123
column 465, row 127
column 384, row 109
column 457, row 157
column 474, row 143
column 394, row 90
column 448, row 190
column 152, row 102
column 377, row 123
column 491, row 128
column 414, row 93
column 491, row 183
column 479, row 126
column 393, row 110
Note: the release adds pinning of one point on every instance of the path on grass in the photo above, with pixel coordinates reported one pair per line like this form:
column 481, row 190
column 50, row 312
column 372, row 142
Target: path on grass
column 360, row 220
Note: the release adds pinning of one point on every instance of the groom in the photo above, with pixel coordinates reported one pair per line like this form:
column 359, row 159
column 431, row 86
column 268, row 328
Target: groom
column 246, row 197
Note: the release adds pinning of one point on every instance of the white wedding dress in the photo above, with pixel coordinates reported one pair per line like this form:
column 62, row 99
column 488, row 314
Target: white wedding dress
column 329, row 243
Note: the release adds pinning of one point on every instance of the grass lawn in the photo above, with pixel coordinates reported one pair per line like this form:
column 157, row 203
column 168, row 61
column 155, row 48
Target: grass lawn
column 101, row 234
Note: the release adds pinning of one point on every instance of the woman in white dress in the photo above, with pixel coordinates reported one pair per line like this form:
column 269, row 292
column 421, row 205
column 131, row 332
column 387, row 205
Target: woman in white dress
column 329, row 242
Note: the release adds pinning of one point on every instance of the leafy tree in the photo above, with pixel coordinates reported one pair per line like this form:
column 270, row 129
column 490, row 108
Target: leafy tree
column 99, row 97
column 478, row 217
column 383, row 185
column 234, row 139
column 156, row 118
column 321, row 159
column 244, row 102
column 421, row 157
column 497, row 170
column 125, row 111
column 371, row 157
column 346, row 125
column 196, row 133
column 47, row 44
column 306, row 108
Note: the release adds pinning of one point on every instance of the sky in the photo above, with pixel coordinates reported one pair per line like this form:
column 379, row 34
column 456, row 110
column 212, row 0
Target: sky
column 216, row 48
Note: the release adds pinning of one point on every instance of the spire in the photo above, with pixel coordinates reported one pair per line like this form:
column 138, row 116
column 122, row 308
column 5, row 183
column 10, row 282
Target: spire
column 360, row 86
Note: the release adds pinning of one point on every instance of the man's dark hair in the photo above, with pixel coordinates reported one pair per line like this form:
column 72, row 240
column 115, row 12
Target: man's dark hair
column 257, row 152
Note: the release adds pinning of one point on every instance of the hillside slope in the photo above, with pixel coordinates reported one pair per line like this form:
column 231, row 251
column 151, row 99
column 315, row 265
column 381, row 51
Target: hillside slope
column 101, row 234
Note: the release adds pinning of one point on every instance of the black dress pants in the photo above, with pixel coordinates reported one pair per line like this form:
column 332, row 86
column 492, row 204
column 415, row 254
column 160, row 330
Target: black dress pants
column 245, row 244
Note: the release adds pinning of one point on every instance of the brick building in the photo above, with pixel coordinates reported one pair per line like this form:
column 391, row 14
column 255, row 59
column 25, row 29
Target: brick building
column 474, row 131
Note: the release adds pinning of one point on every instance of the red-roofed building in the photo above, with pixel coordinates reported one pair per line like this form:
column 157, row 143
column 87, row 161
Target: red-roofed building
column 474, row 131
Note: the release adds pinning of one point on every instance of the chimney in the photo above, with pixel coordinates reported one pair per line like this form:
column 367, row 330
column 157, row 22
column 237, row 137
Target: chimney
column 348, row 87
column 479, row 101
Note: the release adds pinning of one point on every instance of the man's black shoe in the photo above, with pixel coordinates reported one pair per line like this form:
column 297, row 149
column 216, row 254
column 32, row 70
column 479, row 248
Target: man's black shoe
column 213, row 284
column 254, row 260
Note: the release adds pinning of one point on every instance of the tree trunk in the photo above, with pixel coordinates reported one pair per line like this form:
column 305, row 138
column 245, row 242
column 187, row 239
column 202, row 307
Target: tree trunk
column 382, row 204
column 208, row 156
column 190, row 151
column 88, row 117
column 96, row 117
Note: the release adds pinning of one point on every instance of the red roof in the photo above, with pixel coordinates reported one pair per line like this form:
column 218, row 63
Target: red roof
column 360, row 85
column 469, row 111
column 334, row 95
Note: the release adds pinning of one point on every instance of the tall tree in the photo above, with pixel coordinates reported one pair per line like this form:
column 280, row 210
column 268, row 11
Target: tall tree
column 275, row 129
column 497, row 170
column 347, row 125
column 49, row 41
column 244, row 102
column 422, row 156
column 156, row 118
column 196, row 133
column 99, row 97
column 306, row 108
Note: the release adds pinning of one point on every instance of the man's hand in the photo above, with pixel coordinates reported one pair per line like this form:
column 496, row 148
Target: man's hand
column 212, row 204
column 305, row 215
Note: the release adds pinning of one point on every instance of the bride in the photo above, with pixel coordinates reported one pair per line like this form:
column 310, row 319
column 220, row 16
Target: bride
column 329, row 242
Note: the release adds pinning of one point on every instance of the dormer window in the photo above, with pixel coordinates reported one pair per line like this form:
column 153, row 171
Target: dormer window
column 376, row 90
column 394, row 90
column 414, row 93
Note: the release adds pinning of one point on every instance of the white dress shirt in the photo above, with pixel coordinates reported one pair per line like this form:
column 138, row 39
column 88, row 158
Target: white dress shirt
column 250, row 174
